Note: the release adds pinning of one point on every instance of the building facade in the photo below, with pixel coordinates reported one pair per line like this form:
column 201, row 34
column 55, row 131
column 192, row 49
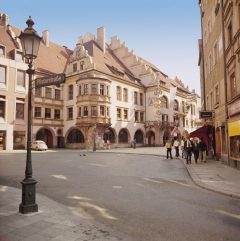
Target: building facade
column 110, row 95
column 219, row 71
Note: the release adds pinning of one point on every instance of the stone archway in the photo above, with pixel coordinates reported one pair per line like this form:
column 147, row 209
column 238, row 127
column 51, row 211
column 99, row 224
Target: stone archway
column 150, row 138
column 139, row 137
column 45, row 135
column 109, row 134
column 75, row 136
column 123, row 136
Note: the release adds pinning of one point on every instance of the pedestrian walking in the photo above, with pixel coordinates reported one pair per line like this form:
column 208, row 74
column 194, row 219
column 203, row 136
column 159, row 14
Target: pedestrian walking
column 182, row 147
column 202, row 150
column 168, row 146
column 176, row 146
column 195, row 150
column 188, row 148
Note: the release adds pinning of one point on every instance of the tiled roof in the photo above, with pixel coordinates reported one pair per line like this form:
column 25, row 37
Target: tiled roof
column 52, row 59
column 7, row 41
column 107, row 62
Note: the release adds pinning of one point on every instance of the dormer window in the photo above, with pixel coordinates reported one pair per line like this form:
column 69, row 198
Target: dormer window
column 19, row 56
column 2, row 51
column 75, row 67
column 81, row 65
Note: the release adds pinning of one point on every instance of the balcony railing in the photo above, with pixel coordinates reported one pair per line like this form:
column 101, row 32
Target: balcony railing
column 93, row 98
column 91, row 120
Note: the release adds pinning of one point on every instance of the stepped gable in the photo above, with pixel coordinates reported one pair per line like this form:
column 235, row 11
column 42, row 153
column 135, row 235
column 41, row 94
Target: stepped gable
column 142, row 69
column 180, row 85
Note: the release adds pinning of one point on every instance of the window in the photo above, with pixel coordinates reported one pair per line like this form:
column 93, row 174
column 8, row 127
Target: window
column 93, row 89
column 80, row 90
column 19, row 56
column 2, row 51
column 141, row 116
column 79, row 111
column 85, row 90
column 2, row 106
column 107, row 90
column 70, row 92
column 101, row 89
column 47, row 113
column 125, row 95
column 2, row 74
column 81, row 65
column 141, row 98
column 136, row 116
column 216, row 95
column 119, row 113
column 20, row 109
column 164, row 117
column 38, row 92
column 37, row 112
column 125, row 114
column 164, row 102
column 108, row 111
column 93, row 110
column 183, row 121
column 57, row 94
column 48, row 92
column 211, row 101
column 230, row 34
column 175, row 105
column 57, row 114
column 102, row 110
column 135, row 98
column 119, row 93
column 85, row 111
column 183, row 106
column 70, row 113
column 216, row 52
column 21, row 78
column 75, row 67
column 233, row 86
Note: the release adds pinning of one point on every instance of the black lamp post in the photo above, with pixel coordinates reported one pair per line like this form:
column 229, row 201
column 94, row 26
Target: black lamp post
column 94, row 138
column 30, row 44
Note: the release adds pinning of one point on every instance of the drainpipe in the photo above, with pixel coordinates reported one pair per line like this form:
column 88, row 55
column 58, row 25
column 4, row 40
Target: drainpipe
column 225, row 82
column 203, row 63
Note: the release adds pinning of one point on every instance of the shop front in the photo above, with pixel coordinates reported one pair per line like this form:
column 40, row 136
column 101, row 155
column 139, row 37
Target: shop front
column 234, row 143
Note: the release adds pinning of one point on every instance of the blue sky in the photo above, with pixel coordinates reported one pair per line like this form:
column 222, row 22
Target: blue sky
column 164, row 32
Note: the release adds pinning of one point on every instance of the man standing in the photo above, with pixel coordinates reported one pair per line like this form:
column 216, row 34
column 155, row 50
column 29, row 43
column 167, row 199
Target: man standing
column 202, row 150
column 188, row 148
column 169, row 148
column 176, row 146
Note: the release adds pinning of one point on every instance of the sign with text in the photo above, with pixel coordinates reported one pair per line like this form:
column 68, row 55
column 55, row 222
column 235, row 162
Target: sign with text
column 55, row 79
column 205, row 114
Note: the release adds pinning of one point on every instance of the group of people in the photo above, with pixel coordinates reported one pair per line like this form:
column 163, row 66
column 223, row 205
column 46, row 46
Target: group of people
column 188, row 147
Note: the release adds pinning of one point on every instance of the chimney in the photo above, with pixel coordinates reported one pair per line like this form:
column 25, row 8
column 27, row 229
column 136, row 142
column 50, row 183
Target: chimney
column 101, row 38
column 4, row 19
column 45, row 36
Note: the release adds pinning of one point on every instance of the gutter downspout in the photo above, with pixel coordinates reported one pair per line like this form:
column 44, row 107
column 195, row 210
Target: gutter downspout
column 225, row 83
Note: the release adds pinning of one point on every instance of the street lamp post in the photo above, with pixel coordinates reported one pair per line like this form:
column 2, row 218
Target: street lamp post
column 94, row 138
column 30, row 44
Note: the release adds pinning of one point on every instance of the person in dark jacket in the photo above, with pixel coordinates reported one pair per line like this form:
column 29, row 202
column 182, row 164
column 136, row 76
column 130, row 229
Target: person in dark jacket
column 195, row 150
column 202, row 150
column 188, row 148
